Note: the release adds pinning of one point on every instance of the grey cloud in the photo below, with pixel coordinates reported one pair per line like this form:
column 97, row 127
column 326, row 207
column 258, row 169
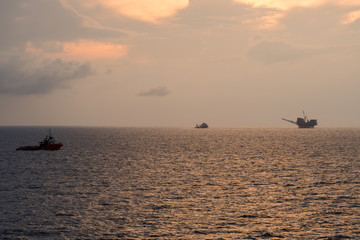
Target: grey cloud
column 20, row 76
column 158, row 92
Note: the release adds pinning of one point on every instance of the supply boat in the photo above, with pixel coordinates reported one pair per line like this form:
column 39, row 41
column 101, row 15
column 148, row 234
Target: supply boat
column 47, row 144
column 203, row 125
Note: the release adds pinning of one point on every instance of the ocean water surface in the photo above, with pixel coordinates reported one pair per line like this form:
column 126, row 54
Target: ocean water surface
column 181, row 183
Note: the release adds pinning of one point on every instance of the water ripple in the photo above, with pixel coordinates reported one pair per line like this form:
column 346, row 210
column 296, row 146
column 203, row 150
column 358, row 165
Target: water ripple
column 178, row 183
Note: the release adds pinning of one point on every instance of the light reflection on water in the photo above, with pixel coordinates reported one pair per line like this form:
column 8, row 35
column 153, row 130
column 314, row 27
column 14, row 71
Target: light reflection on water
column 181, row 183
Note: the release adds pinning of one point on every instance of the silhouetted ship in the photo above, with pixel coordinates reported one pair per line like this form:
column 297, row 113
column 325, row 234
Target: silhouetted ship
column 47, row 144
column 303, row 122
column 203, row 125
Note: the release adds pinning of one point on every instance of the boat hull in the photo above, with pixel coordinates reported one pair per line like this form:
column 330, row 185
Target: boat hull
column 51, row 147
column 203, row 125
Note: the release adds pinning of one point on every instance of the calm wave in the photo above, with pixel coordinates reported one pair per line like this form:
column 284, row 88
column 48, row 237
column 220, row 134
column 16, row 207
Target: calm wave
column 181, row 183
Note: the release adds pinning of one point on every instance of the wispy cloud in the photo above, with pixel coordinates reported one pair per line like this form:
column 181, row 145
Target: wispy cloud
column 277, row 51
column 351, row 17
column 144, row 10
column 271, row 20
column 155, row 92
column 281, row 4
column 79, row 50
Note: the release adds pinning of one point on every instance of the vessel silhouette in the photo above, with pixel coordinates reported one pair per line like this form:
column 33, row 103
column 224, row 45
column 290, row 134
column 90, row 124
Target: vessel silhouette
column 48, row 143
column 203, row 125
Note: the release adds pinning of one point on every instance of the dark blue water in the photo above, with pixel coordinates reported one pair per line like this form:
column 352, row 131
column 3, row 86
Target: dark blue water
column 181, row 183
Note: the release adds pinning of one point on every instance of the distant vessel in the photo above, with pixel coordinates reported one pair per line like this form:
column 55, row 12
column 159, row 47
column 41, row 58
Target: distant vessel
column 47, row 144
column 303, row 122
column 203, row 125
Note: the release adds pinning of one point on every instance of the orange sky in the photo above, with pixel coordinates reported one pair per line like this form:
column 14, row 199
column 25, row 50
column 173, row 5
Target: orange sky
column 177, row 62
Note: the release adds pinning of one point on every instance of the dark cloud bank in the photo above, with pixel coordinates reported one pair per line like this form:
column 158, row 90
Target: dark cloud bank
column 21, row 77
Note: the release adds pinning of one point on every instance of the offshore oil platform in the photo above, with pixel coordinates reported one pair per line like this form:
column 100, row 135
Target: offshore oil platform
column 303, row 122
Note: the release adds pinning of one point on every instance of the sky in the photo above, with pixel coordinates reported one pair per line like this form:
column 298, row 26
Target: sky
column 147, row 63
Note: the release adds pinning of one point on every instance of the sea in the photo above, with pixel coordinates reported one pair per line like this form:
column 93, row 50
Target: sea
column 181, row 183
